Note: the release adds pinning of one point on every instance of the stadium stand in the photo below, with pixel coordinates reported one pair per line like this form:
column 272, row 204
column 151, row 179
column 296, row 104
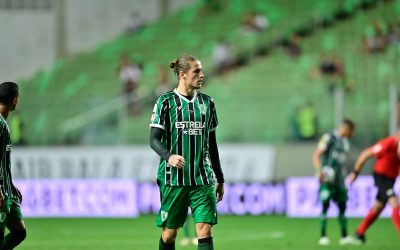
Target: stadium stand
column 269, row 87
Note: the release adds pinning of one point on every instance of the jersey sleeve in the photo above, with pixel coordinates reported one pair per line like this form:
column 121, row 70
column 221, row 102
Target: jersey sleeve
column 379, row 148
column 3, row 130
column 159, row 113
column 324, row 142
column 213, row 122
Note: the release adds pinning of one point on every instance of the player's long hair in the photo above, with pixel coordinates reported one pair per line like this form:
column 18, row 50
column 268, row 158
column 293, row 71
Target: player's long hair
column 182, row 63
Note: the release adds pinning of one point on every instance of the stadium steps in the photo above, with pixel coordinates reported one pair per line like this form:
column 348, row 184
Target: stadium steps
column 76, row 84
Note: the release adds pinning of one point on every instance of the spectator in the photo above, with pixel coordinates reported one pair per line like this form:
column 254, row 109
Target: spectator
column 133, row 22
column 393, row 35
column 254, row 22
column 307, row 122
column 294, row 123
column 332, row 68
column 129, row 75
column 291, row 46
column 212, row 6
column 222, row 56
column 375, row 39
column 16, row 129
column 260, row 22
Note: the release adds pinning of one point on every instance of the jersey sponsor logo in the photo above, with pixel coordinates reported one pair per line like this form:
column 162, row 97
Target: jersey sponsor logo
column 191, row 128
column 389, row 192
column 339, row 156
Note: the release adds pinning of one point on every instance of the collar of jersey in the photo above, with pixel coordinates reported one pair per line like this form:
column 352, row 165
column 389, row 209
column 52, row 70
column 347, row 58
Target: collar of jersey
column 336, row 133
column 184, row 98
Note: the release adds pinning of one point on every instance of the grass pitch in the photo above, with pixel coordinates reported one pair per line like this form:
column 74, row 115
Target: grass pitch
column 232, row 233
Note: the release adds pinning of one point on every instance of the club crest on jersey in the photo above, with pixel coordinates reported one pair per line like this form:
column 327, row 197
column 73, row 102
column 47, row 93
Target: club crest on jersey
column 164, row 215
column 202, row 108
column 2, row 217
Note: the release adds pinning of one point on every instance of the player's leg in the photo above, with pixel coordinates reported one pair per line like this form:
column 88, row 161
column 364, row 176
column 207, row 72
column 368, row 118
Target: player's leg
column 168, row 237
column 204, row 210
column 394, row 202
column 385, row 191
column 16, row 226
column 341, row 197
column 372, row 215
column 16, row 236
column 204, row 235
column 342, row 219
column 186, row 240
column 325, row 197
column 3, row 223
column 1, row 237
column 324, row 218
column 172, row 214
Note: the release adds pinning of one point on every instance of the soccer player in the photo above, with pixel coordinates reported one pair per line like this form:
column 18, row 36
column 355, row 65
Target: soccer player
column 386, row 170
column 330, row 155
column 187, row 236
column 183, row 127
column 10, row 197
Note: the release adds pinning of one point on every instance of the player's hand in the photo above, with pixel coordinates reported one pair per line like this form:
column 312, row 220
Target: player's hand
column 18, row 194
column 176, row 161
column 219, row 190
column 352, row 177
column 320, row 176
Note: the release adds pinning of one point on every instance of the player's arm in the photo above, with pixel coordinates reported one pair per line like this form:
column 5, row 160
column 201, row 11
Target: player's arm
column 216, row 165
column 318, row 152
column 1, row 161
column 316, row 159
column 156, row 134
column 361, row 160
column 17, row 193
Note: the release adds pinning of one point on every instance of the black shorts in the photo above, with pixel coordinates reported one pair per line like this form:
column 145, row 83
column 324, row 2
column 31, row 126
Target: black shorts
column 385, row 187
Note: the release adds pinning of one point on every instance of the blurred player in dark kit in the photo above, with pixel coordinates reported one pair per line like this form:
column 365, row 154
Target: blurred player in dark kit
column 10, row 197
column 328, row 160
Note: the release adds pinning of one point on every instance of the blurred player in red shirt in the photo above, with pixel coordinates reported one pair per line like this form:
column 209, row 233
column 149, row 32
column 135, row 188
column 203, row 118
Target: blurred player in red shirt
column 386, row 170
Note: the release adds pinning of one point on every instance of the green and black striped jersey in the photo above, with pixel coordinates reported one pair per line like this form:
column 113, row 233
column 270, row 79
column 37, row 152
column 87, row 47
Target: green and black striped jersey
column 186, row 124
column 5, row 168
column 335, row 150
